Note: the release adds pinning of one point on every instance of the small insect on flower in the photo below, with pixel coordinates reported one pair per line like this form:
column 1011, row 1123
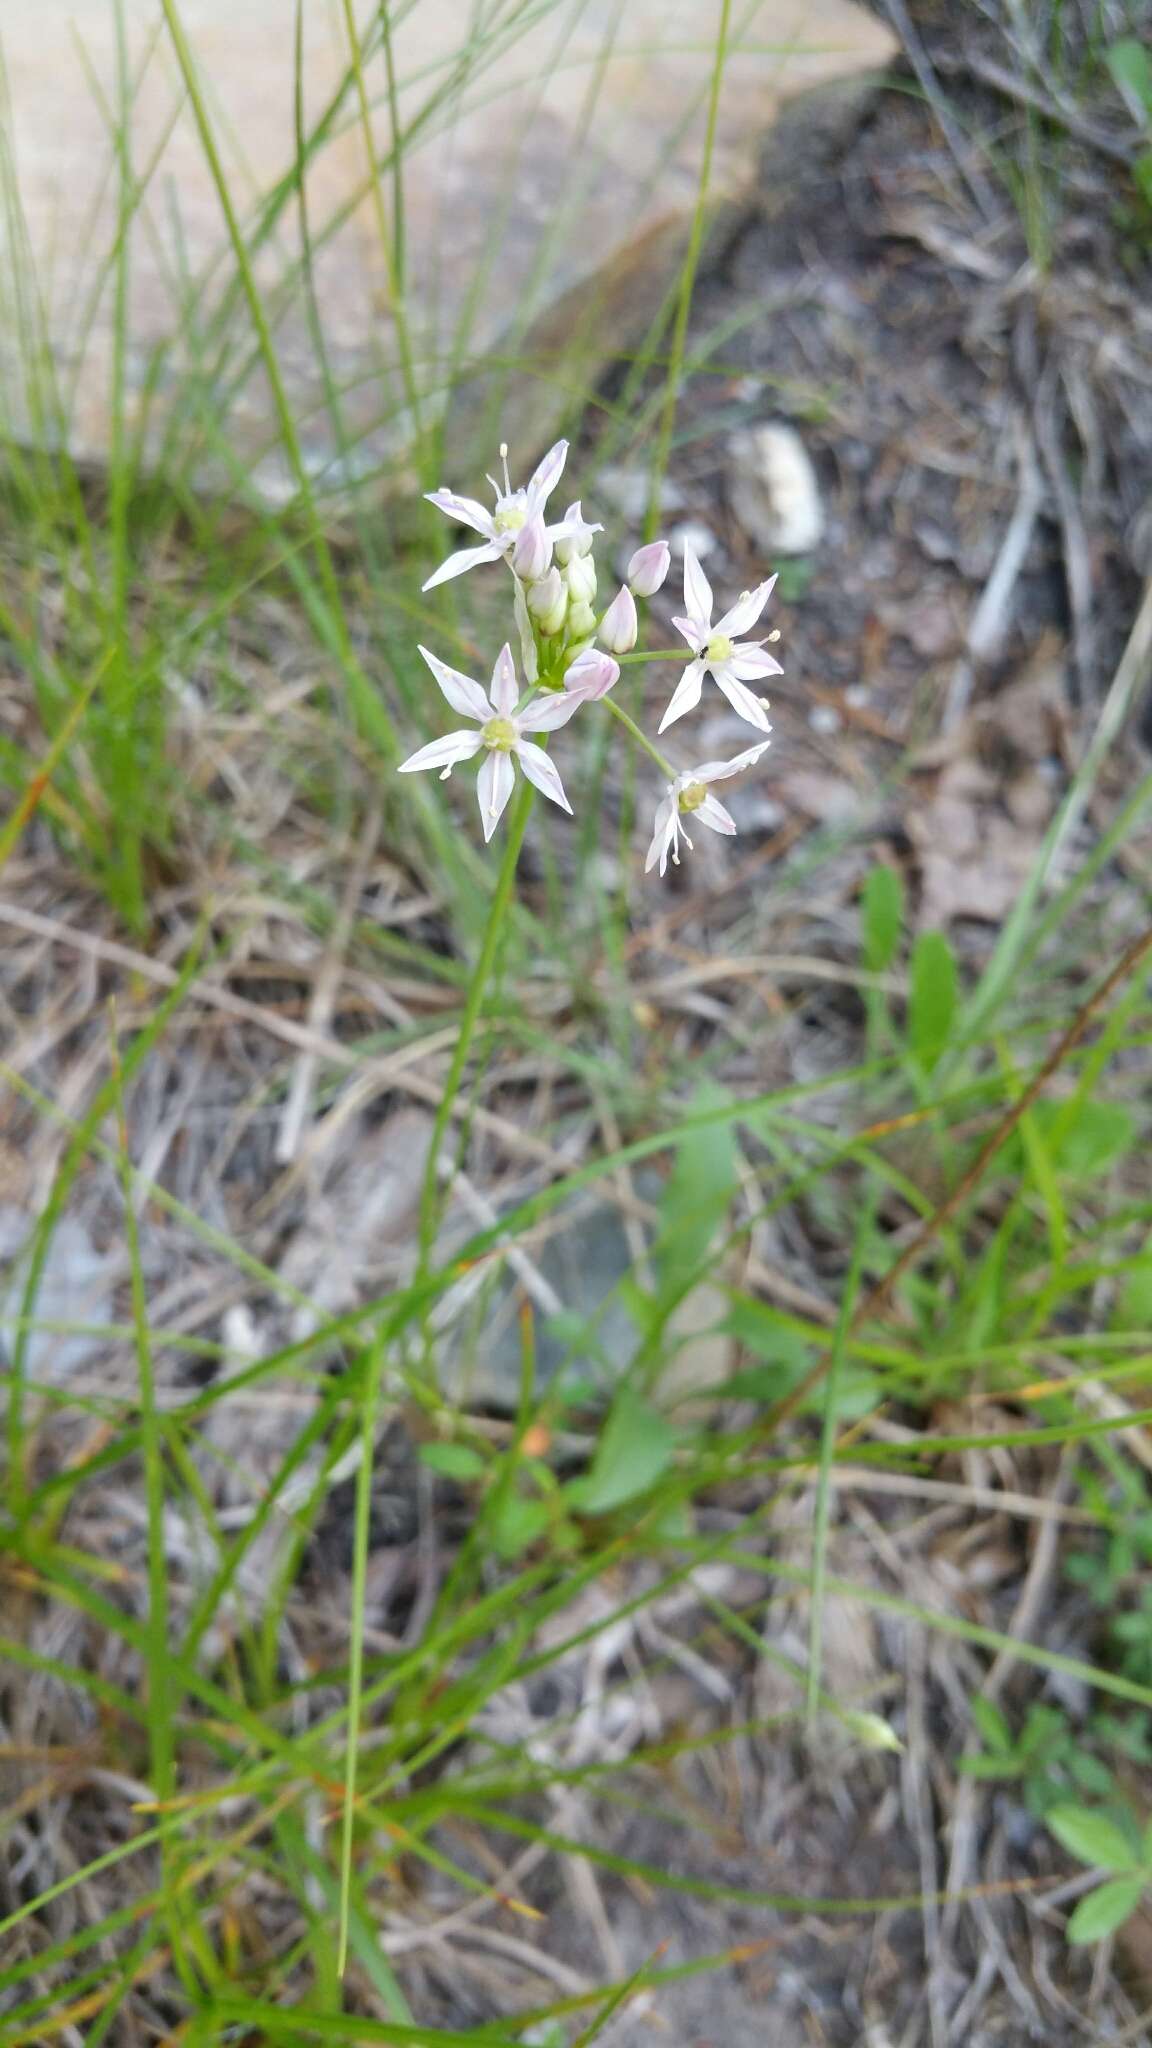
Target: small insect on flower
column 732, row 663
column 500, row 736
column 690, row 796
column 514, row 511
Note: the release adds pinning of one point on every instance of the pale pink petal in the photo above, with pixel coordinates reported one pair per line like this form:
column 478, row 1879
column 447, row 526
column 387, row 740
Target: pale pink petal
column 460, row 563
column 592, row 675
column 462, row 693
column 697, row 590
column 494, row 786
column 455, row 746
column 745, row 611
column 692, row 631
column 505, row 688
column 546, row 476
column 751, row 664
column 712, row 812
column 465, row 511
column 685, row 696
column 720, row 771
column 663, row 835
column 551, row 712
column 741, row 699
column 543, row 772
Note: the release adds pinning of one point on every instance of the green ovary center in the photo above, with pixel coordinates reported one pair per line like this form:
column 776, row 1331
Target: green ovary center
column 692, row 797
column 719, row 648
column 500, row 735
column 510, row 518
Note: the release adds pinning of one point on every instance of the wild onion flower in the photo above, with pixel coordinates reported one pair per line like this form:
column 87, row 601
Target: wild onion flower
column 514, row 511
column 648, row 568
column 717, row 652
column 689, row 796
column 500, row 736
column 591, row 675
column 619, row 626
column 580, row 576
column 532, row 552
column 577, row 537
column 548, row 601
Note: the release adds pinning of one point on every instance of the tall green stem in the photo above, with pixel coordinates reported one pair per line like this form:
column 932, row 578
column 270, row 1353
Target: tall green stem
column 477, row 988
column 626, row 719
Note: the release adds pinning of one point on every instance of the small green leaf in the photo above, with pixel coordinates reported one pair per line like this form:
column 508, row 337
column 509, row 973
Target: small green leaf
column 1093, row 1139
column 515, row 1524
column 881, row 917
column 637, row 1445
column 992, row 1725
column 932, row 1001
column 1000, row 1769
column 1102, row 1911
column 1131, row 68
column 696, row 1195
column 453, row 1461
column 1092, row 1838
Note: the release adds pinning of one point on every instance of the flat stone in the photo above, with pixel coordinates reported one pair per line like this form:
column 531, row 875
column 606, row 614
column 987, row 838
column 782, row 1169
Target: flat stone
column 549, row 182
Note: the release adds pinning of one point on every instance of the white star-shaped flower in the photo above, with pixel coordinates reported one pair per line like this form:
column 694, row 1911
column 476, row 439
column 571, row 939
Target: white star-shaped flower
column 730, row 662
column 512, row 513
column 689, row 796
column 500, row 736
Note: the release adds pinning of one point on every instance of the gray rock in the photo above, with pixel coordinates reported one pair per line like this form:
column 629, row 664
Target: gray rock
column 550, row 178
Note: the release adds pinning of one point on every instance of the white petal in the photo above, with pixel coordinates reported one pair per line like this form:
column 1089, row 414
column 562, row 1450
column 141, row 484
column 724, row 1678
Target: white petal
column 692, row 631
column 505, row 688
column 543, row 772
column 697, row 590
column 455, row 746
column 686, row 695
column 719, row 771
column 465, row 511
column 712, row 812
column 462, row 693
column 494, row 786
column 663, row 834
column 750, row 662
column 746, row 610
column 460, row 563
column 740, row 698
column 546, row 475
column 547, row 714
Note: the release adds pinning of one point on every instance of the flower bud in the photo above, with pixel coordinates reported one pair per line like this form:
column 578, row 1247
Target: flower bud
column 532, row 553
column 579, row 541
column 581, row 621
column 548, row 602
column 619, row 627
column 580, row 576
column 591, row 675
column 648, row 568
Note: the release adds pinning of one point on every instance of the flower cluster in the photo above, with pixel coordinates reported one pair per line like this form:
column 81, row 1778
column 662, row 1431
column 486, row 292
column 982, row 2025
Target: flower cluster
column 569, row 655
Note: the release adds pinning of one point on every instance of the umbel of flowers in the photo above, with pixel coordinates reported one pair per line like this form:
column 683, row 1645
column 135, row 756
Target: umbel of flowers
column 569, row 651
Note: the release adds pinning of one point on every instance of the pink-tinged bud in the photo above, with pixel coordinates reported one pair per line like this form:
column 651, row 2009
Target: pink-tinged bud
column 592, row 675
column 548, row 602
column 578, row 539
column 648, row 568
column 532, row 553
column 619, row 626
column 580, row 576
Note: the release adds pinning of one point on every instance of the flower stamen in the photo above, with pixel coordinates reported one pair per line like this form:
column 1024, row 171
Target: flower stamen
column 499, row 735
